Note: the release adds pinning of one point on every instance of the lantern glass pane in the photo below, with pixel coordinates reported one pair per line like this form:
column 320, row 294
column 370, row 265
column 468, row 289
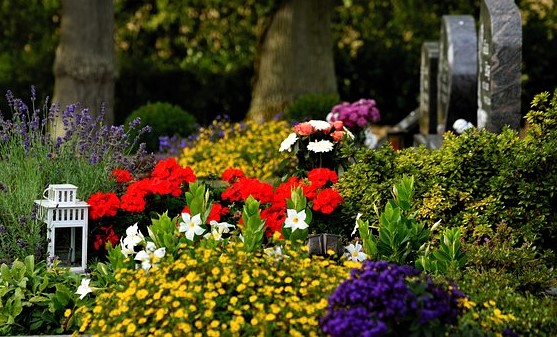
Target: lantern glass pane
column 68, row 246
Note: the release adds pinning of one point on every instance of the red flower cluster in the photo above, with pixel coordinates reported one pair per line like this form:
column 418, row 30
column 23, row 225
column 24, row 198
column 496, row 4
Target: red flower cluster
column 231, row 175
column 167, row 178
column 107, row 235
column 122, row 176
column 103, row 204
column 316, row 189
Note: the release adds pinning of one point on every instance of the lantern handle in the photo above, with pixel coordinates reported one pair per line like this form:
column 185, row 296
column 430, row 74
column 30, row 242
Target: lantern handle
column 45, row 192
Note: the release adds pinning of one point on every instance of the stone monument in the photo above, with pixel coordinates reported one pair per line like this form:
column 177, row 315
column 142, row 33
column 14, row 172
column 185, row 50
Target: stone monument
column 457, row 77
column 428, row 87
column 500, row 57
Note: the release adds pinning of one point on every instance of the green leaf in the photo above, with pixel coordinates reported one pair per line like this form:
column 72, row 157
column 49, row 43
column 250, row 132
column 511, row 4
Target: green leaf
column 30, row 264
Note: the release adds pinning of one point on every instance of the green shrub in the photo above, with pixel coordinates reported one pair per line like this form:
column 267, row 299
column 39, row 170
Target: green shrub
column 311, row 106
column 35, row 298
column 477, row 179
column 492, row 292
column 164, row 119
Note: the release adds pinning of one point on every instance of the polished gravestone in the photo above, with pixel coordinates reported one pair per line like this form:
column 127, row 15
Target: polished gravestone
column 500, row 57
column 428, row 87
column 427, row 110
column 457, row 77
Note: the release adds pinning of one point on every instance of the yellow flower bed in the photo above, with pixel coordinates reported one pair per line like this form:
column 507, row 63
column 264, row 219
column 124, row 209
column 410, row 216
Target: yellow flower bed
column 218, row 292
column 248, row 146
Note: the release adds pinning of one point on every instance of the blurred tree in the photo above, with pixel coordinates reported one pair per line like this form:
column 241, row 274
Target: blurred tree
column 295, row 57
column 200, row 54
column 28, row 38
column 197, row 54
column 84, row 65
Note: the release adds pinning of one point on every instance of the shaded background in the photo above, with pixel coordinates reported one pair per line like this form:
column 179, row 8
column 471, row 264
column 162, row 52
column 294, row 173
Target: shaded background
column 189, row 56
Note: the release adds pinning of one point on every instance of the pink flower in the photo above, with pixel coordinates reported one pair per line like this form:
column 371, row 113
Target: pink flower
column 337, row 136
column 304, row 129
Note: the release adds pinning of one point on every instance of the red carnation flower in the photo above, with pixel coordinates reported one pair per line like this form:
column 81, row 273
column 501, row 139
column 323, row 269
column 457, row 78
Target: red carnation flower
column 103, row 204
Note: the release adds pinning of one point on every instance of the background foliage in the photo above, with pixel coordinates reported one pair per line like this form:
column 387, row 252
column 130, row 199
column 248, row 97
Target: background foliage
column 199, row 55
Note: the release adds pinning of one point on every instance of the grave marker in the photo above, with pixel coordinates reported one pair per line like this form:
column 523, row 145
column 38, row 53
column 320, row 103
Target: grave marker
column 500, row 57
column 428, row 87
column 457, row 78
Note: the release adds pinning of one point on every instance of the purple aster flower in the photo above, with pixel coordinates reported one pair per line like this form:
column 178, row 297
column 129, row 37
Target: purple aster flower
column 381, row 298
column 359, row 114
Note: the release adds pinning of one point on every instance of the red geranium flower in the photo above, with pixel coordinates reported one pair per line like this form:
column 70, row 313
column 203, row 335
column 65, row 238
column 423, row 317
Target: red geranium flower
column 103, row 204
column 327, row 201
column 319, row 177
column 217, row 211
column 134, row 198
column 108, row 235
column 122, row 176
column 171, row 170
column 232, row 175
column 274, row 219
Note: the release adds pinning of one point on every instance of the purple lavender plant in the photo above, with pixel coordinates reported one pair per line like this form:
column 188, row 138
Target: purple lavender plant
column 31, row 157
column 383, row 299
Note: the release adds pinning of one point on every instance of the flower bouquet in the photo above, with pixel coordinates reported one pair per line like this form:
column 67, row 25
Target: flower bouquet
column 357, row 117
column 317, row 144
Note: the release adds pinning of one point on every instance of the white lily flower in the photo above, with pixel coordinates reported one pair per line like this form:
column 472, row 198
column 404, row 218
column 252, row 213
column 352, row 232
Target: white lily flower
column 287, row 143
column 150, row 255
column 218, row 229
column 133, row 237
column 126, row 250
column 355, row 252
column 295, row 220
column 224, row 226
column 84, row 288
column 191, row 226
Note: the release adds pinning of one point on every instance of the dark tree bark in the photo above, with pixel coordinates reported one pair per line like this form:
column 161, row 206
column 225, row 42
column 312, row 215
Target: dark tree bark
column 85, row 61
column 295, row 57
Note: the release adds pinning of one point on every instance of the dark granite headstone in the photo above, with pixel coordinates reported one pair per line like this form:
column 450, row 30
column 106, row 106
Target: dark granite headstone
column 457, row 77
column 428, row 87
column 500, row 57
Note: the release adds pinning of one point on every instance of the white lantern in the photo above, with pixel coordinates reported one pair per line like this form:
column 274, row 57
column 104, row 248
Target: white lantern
column 66, row 219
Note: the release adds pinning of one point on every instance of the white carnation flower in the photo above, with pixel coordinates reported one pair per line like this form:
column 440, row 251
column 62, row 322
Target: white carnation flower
column 320, row 125
column 320, row 146
column 286, row 144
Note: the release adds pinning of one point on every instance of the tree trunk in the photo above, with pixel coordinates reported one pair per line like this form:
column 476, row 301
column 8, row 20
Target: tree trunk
column 85, row 61
column 295, row 57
